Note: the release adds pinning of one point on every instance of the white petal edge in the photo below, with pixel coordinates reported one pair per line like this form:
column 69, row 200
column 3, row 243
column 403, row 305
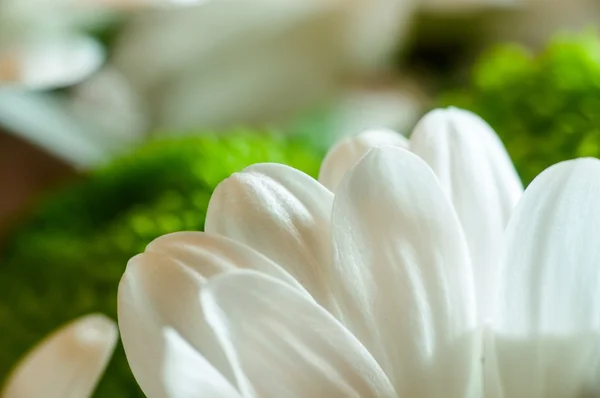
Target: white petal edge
column 478, row 177
column 547, row 322
column 286, row 345
column 209, row 255
column 156, row 294
column 69, row 362
column 283, row 214
column 159, row 291
column 187, row 374
column 403, row 275
column 344, row 155
column 44, row 63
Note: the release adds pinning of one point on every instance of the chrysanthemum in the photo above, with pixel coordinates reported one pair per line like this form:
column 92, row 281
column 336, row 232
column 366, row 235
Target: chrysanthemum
column 416, row 278
column 68, row 363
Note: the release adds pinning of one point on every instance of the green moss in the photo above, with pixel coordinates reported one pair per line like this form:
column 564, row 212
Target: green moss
column 67, row 257
column 544, row 106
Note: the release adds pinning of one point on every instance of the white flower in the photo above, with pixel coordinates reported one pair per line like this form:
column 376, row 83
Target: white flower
column 401, row 284
column 43, row 44
column 235, row 61
column 68, row 363
column 43, row 63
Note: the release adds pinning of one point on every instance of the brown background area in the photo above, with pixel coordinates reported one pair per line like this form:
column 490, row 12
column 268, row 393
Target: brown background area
column 25, row 172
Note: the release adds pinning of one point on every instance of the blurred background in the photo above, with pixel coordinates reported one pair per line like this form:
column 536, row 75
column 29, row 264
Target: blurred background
column 119, row 117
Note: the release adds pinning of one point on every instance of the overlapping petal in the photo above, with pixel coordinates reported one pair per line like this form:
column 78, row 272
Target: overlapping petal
column 187, row 374
column 404, row 278
column 477, row 175
column 157, row 294
column 209, row 255
column 283, row 214
column 348, row 152
column 286, row 345
column 160, row 313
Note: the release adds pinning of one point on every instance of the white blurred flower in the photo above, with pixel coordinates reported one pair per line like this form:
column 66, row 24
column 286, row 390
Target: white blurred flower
column 21, row 16
column 418, row 278
column 235, row 61
column 42, row 63
column 68, row 363
column 44, row 45
column 109, row 93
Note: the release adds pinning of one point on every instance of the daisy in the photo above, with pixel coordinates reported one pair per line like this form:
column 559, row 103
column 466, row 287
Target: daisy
column 67, row 364
column 408, row 271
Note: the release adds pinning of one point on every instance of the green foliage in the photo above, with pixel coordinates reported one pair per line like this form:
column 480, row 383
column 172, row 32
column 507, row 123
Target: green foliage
column 67, row 257
column 545, row 107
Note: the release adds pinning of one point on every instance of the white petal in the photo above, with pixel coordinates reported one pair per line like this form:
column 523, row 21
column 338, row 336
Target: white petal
column 286, row 345
column 544, row 367
column 187, row 374
column 43, row 63
column 405, row 281
column 548, row 312
column 477, row 175
column 210, row 255
column 160, row 290
column 283, row 214
column 68, row 363
column 345, row 154
column 156, row 294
